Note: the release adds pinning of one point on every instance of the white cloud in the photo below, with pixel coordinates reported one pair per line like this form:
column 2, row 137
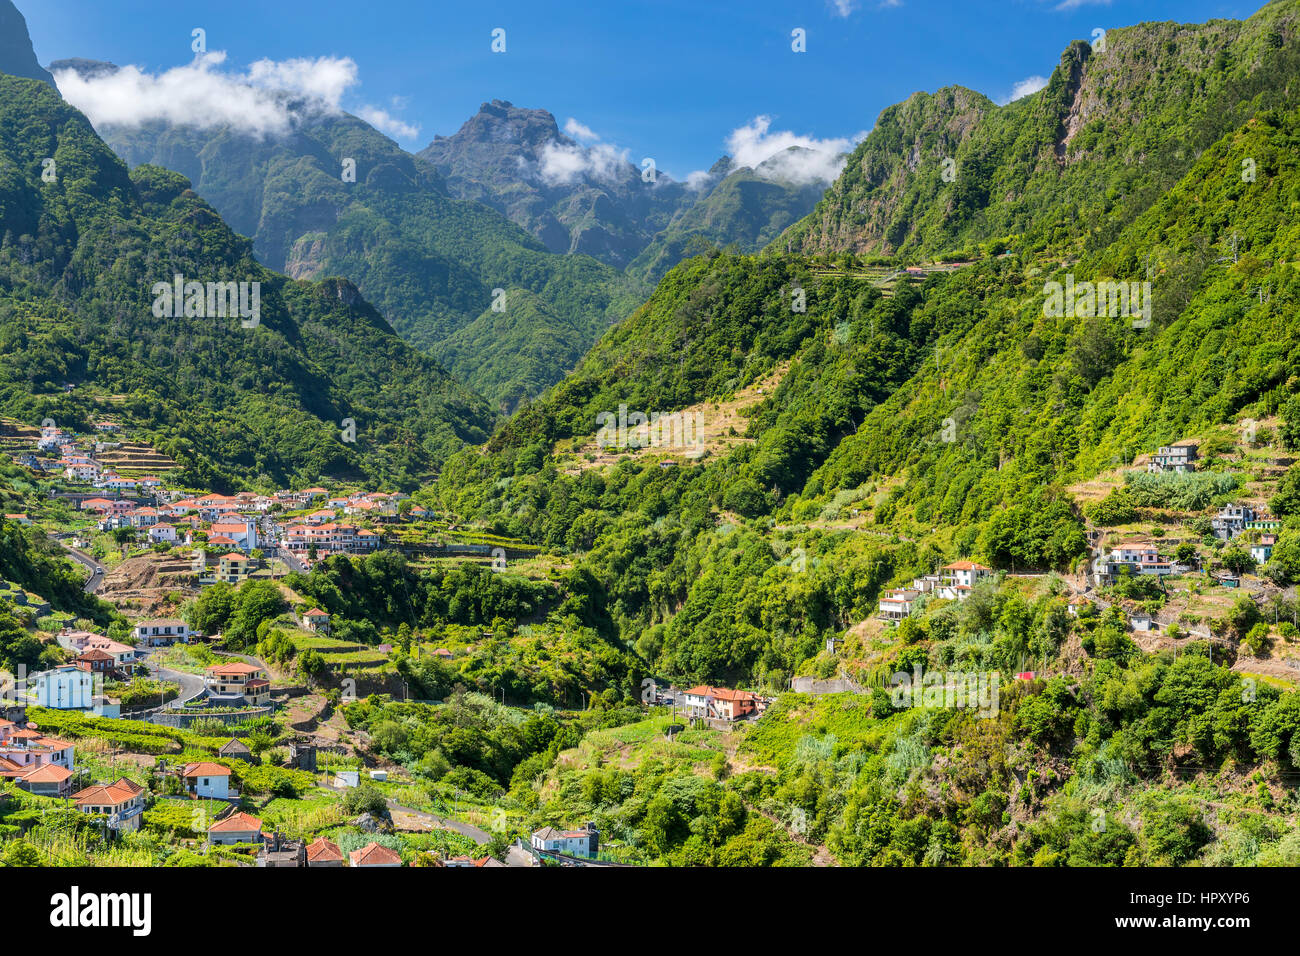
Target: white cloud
column 202, row 95
column 562, row 164
column 579, row 131
column 813, row 160
column 698, row 180
column 1022, row 88
column 843, row 7
column 1076, row 4
column 386, row 122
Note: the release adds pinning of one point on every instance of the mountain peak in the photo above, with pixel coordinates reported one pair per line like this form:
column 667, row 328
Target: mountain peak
column 17, row 58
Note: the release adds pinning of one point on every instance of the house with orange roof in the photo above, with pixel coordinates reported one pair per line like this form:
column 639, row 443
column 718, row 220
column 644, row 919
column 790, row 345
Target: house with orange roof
column 720, row 702
column 144, row 517
column 233, row 568
column 374, row 855
column 48, row 780
column 316, row 620
column 95, row 661
column 324, row 853
column 206, row 780
column 963, row 575
column 237, row 684
column 239, row 827
column 121, row 801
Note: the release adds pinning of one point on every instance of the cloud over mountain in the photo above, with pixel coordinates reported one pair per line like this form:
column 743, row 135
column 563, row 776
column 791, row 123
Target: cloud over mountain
column 786, row 155
column 265, row 100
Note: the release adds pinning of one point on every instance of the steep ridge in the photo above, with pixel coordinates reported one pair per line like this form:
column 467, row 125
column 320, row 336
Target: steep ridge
column 1114, row 128
column 17, row 58
column 430, row 263
column 243, row 399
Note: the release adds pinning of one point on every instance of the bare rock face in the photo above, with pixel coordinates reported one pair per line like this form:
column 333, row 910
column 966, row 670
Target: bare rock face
column 17, row 58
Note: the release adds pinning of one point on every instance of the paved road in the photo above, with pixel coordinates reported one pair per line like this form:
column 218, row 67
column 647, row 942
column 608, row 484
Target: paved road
column 96, row 569
column 289, row 558
column 191, row 684
column 514, row 857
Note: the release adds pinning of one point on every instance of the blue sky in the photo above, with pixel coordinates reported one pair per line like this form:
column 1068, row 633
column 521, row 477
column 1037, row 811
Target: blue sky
column 670, row 79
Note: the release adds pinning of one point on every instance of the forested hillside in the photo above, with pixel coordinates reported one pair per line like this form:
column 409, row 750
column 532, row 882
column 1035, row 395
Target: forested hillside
column 429, row 263
column 947, row 419
column 234, row 405
column 1116, row 126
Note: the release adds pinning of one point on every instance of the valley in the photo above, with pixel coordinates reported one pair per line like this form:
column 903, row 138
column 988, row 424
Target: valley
column 767, row 523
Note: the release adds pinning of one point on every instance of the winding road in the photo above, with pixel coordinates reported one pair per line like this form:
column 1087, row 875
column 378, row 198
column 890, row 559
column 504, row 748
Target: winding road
column 96, row 569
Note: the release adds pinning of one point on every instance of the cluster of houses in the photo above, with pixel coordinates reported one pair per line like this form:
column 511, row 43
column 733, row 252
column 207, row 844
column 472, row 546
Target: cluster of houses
column 78, row 463
column 954, row 582
column 77, row 685
column 38, row 764
column 231, row 524
column 721, row 703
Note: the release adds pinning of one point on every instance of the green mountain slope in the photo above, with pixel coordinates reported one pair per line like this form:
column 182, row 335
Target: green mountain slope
column 746, row 209
column 78, row 262
column 1115, row 127
column 427, row 261
column 942, row 420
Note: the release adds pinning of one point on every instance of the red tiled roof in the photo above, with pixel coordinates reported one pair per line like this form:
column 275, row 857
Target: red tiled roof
column 233, row 669
column 324, row 851
column 50, row 773
column 374, row 854
column 205, row 769
column 237, row 823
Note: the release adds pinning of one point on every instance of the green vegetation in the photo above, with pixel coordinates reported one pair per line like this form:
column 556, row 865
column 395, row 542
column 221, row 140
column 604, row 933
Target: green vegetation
column 235, row 406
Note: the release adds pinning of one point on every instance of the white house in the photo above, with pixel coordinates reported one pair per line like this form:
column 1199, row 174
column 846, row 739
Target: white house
column 64, row 688
column 242, row 531
column 1263, row 551
column 959, row 578
column 897, row 604
column 582, row 842
column 161, row 632
column 162, row 534
column 207, row 779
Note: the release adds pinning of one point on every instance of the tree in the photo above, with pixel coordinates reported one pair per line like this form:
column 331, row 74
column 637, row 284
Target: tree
column 1287, row 500
column 1290, row 430
column 1256, row 640
column 1237, row 560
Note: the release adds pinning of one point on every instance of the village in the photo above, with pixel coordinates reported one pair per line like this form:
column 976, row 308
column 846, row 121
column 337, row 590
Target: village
column 232, row 798
column 212, row 539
